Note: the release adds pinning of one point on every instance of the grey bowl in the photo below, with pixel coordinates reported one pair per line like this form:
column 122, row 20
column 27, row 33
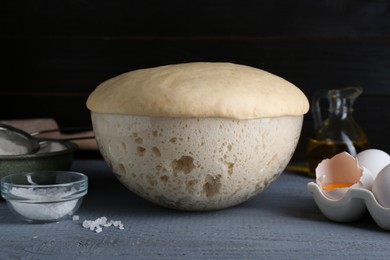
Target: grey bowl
column 53, row 155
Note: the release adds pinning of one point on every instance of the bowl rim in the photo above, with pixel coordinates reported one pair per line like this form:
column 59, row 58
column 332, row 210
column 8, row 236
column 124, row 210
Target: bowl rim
column 5, row 180
column 72, row 194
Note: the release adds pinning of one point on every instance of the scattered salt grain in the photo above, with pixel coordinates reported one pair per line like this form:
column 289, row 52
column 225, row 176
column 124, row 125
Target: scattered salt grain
column 98, row 224
column 76, row 217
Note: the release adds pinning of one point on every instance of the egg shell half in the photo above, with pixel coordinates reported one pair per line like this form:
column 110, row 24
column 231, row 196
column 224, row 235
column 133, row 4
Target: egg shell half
column 342, row 170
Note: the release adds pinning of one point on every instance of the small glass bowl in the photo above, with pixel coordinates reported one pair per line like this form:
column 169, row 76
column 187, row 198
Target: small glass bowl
column 44, row 196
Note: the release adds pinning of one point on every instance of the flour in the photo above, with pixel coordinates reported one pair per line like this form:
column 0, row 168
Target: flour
column 8, row 147
column 51, row 146
column 43, row 209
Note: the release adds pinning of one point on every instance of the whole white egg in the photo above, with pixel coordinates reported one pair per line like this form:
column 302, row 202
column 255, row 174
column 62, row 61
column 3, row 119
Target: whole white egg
column 381, row 187
column 374, row 160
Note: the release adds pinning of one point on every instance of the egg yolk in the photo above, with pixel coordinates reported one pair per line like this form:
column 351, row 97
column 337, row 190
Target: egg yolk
column 332, row 186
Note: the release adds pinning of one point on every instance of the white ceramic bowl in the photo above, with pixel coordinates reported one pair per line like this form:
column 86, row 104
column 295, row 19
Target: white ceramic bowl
column 196, row 163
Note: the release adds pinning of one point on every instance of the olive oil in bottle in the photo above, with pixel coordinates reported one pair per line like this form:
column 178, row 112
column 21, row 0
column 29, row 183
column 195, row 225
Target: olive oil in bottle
column 339, row 132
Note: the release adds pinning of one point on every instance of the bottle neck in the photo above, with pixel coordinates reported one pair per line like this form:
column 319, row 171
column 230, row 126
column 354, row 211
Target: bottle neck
column 340, row 108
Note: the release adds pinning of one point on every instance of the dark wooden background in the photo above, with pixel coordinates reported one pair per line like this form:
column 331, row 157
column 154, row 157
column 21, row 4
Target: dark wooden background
column 54, row 53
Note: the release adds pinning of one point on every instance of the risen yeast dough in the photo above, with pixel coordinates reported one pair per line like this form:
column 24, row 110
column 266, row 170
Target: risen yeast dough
column 197, row 136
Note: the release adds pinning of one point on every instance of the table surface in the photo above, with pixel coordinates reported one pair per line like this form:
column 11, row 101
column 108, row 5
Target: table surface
column 282, row 222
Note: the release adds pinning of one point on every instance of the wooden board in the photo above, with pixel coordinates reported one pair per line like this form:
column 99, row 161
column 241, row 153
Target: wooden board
column 281, row 223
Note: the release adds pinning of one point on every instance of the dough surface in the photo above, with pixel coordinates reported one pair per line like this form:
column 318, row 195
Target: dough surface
column 199, row 89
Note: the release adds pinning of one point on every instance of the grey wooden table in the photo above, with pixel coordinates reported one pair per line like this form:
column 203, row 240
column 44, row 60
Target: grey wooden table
column 281, row 223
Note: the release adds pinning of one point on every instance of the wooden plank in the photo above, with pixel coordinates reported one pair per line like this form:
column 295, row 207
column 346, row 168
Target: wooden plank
column 281, row 223
column 68, row 111
column 202, row 17
column 80, row 64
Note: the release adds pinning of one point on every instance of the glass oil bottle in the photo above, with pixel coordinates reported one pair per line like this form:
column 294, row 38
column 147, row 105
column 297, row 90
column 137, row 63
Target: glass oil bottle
column 339, row 132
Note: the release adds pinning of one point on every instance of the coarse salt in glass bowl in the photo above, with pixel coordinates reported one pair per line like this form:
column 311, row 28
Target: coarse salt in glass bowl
column 44, row 196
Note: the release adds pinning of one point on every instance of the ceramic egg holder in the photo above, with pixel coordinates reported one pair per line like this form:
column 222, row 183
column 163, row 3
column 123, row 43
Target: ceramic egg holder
column 369, row 176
